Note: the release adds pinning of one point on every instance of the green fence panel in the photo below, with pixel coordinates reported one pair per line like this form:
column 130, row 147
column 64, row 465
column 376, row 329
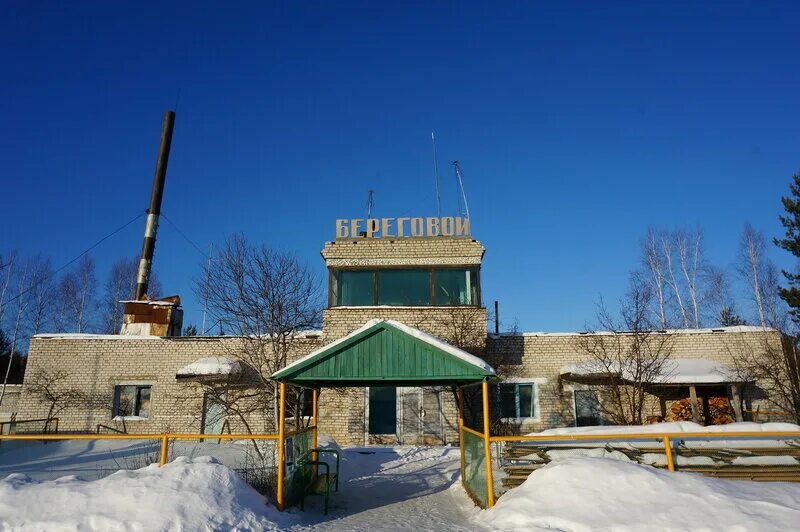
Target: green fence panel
column 474, row 473
column 297, row 477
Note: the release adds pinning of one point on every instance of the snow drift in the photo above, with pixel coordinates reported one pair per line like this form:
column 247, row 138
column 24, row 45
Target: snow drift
column 199, row 494
column 599, row 494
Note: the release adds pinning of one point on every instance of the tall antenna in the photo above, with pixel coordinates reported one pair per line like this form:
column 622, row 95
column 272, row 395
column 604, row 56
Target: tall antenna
column 460, row 183
column 208, row 282
column 370, row 203
column 436, row 174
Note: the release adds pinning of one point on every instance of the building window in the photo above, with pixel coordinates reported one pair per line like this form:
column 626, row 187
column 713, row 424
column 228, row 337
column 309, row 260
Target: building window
column 405, row 287
column 132, row 400
column 518, row 400
column 307, row 403
column 587, row 408
column 455, row 287
column 356, row 288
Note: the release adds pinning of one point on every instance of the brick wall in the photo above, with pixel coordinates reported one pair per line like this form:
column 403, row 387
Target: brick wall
column 541, row 357
column 403, row 252
column 94, row 365
column 10, row 399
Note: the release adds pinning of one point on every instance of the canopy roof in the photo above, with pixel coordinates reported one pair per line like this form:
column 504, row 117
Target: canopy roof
column 386, row 353
column 675, row 372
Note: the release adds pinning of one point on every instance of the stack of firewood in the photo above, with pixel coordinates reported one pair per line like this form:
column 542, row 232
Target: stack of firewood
column 721, row 412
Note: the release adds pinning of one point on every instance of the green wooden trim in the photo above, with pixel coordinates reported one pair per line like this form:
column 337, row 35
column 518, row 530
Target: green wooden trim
column 398, row 358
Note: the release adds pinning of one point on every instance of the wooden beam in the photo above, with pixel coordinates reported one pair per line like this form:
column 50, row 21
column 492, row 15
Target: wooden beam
column 706, row 410
column 663, row 404
column 736, row 402
column 693, row 401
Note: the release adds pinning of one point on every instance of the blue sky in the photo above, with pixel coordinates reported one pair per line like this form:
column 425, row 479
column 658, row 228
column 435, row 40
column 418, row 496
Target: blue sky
column 578, row 125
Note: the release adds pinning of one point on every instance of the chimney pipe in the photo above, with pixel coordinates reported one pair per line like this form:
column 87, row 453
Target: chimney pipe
column 154, row 210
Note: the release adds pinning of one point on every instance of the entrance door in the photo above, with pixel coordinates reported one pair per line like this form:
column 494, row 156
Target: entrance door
column 382, row 410
column 432, row 417
column 587, row 408
column 213, row 415
column 411, row 412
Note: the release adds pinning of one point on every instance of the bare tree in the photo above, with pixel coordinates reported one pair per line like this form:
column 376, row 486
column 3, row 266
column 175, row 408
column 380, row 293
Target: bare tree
column 690, row 249
column 39, row 292
column 654, row 268
column 7, row 264
column 48, row 387
column 718, row 293
column 266, row 298
column 21, row 303
column 761, row 277
column 76, row 298
column 629, row 353
column 121, row 285
column 674, row 270
column 775, row 367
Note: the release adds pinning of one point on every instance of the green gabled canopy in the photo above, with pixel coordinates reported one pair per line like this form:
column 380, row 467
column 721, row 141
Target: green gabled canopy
column 386, row 353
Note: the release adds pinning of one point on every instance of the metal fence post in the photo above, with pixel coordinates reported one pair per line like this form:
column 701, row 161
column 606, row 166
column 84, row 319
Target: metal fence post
column 164, row 449
column 487, row 446
column 668, row 453
column 281, row 445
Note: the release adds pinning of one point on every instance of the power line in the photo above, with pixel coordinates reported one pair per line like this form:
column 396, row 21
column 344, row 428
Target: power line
column 189, row 240
column 70, row 263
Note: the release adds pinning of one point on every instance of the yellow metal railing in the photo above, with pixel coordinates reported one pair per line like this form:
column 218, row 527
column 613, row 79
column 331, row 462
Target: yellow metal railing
column 666, row 438
column 165, row 438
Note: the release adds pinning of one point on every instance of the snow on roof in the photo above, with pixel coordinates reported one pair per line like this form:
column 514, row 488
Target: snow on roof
column 210, row 366
column 710, row 330
column 87, row 336
column 425, row 337
column 309, row 334
column 675, row 371
column 157, row 302
column 671, row 427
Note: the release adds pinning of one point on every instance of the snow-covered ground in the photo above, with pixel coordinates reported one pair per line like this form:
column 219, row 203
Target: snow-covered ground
column 603, row 494
column 382, row 488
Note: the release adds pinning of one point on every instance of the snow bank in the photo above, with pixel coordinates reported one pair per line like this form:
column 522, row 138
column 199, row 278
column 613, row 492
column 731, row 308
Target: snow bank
column 199, row 494
column 601, row 494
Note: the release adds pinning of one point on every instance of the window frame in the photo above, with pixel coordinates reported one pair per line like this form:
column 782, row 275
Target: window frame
column 334, row 284
column 534, row 384
column 135, row 414
column 575, row 389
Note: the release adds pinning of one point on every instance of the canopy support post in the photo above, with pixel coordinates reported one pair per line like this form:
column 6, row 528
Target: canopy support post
column 281, row 444
column 736, row 402
column 315, row 415
column 693, row 402
column 487, row 445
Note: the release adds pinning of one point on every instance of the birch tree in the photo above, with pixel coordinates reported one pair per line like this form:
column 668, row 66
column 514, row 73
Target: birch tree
column 674, row 270
column 77, row 297
column 654, row 267
column 760, row 276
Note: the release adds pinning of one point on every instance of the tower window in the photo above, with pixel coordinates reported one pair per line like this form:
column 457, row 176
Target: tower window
column 447, row 287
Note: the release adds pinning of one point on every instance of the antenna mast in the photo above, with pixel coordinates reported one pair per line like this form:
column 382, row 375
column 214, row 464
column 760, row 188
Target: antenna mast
column 370, row 203
column 460, row 183
column 436, row 174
